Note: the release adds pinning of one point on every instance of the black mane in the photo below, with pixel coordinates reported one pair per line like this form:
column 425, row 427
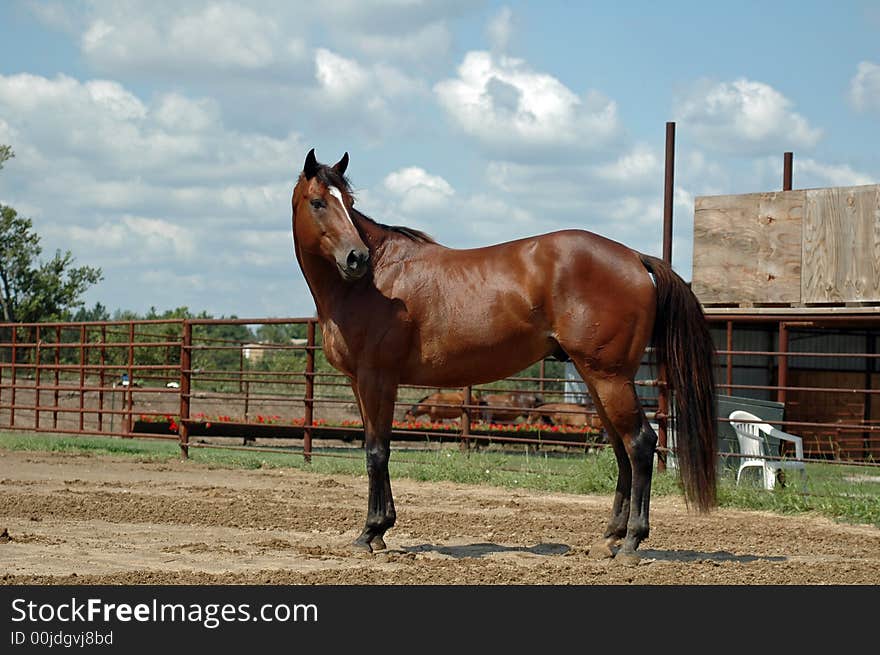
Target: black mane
column 329, row 176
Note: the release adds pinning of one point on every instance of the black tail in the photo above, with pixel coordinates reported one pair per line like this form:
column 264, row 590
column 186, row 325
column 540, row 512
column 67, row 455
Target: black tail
column 684, row 346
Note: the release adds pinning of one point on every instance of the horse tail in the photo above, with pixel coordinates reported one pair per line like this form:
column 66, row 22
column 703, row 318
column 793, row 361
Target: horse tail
column 684, row 346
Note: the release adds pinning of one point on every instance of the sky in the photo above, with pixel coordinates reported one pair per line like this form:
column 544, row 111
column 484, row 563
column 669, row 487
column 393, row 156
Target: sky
column 160, row 141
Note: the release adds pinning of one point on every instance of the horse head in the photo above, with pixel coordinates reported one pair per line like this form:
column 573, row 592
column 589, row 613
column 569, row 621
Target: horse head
column 322, row 223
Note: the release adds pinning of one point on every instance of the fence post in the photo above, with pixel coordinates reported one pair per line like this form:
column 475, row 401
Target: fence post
column 185, row 386
column 38, row 392
column 102, row 379
column 127, row 390
column 782, row 370
column 668, row 201
column 57, row 375
column 83, row 360
column 467, row 398
column 13, row 376
column 309, row 400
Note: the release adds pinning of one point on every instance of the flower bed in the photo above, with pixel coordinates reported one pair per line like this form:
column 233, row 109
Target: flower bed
column 273, row 426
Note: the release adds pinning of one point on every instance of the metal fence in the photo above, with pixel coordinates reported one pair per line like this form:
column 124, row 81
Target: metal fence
column 189, row 378
column 231, row 382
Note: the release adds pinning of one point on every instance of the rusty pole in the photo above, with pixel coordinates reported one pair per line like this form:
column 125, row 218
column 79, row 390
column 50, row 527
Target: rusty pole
column 786, row 170
column 782, row 367
column 14, row 375
column 185, row 387
column 128, row 392
column 468, row 397
column 103, row 379
column 668, row 192
column 729, row 357
column 57, row 374
column 37, row 382
column 309, row 400
column 668, row 197
column 83, row 361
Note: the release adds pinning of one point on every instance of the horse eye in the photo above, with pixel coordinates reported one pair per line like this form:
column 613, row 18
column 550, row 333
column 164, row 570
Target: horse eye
column 318, row 203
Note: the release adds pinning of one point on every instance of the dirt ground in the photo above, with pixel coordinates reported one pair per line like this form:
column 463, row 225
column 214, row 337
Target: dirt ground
column 81, row 519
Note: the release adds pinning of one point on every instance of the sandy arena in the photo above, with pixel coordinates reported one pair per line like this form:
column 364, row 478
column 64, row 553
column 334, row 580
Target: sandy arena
column 81, row 519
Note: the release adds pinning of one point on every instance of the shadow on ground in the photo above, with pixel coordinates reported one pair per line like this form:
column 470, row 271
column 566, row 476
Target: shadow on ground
column 549, row 549
column 483, row 549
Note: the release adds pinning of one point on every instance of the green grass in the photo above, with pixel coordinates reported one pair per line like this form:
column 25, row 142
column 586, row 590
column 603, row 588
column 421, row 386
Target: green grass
column 843, row 493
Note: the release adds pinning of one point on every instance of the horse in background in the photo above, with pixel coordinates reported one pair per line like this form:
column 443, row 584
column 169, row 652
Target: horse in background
column 569, row 414
column 441, row 405
column 396, row 307
column 507, row 407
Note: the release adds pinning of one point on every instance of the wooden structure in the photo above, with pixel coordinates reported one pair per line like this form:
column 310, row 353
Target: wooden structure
column 797, row 272
column 800, row 248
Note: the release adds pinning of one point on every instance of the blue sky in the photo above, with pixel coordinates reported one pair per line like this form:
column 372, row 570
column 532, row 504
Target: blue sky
column 160, row 141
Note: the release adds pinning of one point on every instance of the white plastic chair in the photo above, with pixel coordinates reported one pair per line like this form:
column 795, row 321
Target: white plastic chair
column 752, row 435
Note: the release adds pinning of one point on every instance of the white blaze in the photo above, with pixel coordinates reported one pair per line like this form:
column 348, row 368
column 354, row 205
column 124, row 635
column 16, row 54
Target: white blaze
column 336, row 193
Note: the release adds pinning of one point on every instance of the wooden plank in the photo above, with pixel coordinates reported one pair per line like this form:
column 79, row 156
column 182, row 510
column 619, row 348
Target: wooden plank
column 841, row 245
column 747, row 248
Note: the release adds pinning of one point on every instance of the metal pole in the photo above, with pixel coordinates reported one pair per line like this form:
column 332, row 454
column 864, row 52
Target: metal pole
column 786, row 171
column 185, row 387
column 668, row 196
column 309, row 400
column 870, row 348
column 102, row 379
column 37, row 384
column 82, row 376
column 130, row 387
column 466, row 419
column 668, row 192
column 57, row 374
column 782, row 375
column 14, row 375
column 729, row 356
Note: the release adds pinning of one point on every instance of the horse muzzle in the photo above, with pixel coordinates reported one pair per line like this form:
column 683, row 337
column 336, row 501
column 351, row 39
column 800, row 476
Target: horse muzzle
column 355, row 265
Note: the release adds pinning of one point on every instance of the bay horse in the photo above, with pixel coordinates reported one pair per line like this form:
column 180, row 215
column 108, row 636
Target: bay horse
column 569, row 414
column 507, row 407
column 396, row 307
column 440, row 405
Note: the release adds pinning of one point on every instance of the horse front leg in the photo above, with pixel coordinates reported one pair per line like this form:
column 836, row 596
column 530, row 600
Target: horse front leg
column 376, row 395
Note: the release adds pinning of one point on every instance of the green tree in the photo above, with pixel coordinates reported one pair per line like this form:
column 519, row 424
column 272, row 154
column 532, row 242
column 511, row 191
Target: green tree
column 31, row 290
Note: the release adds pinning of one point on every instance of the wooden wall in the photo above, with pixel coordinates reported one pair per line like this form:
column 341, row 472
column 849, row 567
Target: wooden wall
column 802, row 247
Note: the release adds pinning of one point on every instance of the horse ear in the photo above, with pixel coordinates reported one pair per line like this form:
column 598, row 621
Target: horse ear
column 341, row 165
column 310, row 168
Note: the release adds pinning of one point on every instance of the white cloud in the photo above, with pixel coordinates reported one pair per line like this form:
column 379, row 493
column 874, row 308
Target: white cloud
column 62, row 122
column 639, row 167
column 500, row 29
column 371, row 100
column 744, row 117
column 432, row 40
column 339, row 78
column 864, row 89
column 133, row 185
column 811, row 173
column 220, row 36
column 418, row 190
column 511, row 109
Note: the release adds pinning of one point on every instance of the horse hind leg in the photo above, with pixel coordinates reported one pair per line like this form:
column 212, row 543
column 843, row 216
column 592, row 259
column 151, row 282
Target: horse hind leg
column 634, row 442
column 615, row 529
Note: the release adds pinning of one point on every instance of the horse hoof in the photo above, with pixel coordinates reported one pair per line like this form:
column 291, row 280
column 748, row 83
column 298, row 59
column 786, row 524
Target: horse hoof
column 601, row 550
column 378, row 543
column 362, row 546
column 627, row 558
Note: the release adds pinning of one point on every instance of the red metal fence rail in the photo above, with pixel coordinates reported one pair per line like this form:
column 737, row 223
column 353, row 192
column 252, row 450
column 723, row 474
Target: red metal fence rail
column 210, row 380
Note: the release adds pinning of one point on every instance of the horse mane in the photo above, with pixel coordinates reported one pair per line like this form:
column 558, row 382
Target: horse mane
column 329, row 176
column 410, row 233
